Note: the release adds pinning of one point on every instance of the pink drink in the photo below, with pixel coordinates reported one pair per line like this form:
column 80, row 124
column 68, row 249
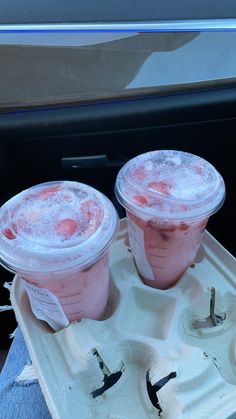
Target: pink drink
column 168, row 196
column 56, row 237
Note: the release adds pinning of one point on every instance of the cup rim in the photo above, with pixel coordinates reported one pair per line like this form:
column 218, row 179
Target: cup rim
column 201, row 208
column 33, row 259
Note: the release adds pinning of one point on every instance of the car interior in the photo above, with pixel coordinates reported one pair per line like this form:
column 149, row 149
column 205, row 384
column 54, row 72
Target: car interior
column 69, row 111
column 109, row 11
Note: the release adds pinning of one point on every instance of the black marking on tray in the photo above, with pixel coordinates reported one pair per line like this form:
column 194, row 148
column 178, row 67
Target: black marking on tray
column 152, row 389
column 109, row 379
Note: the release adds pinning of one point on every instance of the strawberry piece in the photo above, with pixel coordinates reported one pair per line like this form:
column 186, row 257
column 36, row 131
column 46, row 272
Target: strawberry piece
column 9, row 234
column 66, row 227
column 141, row 200
column 46, row 193
column 161, row 187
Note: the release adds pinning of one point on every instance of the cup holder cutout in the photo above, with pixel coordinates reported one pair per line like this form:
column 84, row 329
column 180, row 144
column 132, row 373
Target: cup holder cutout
column 148, row 313
column 126, row 242
column 201, row 254
column 109, row 379
column 194, row 264
column 113, row 301
column 213, row 319
column 207, row 314
column 110, row 309
column 153, row 389
column 132, row 365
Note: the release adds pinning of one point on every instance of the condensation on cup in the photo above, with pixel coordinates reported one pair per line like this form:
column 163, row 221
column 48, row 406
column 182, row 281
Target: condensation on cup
column 56, row 236
column 169, row 196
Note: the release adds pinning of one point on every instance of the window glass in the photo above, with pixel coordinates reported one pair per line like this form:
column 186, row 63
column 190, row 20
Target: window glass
column 44, row 69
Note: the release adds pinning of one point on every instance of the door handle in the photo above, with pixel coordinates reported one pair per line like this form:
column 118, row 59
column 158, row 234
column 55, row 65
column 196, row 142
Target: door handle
column 91, row 162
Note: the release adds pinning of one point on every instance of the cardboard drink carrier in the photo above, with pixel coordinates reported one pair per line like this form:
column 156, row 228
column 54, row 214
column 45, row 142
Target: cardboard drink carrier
column 155, row 353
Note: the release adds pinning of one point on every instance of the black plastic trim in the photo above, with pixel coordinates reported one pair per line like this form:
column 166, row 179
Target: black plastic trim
column 121, row 114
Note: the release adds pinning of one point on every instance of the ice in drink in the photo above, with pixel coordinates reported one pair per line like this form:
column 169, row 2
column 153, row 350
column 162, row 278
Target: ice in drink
column 169, row 196
column 56, row 236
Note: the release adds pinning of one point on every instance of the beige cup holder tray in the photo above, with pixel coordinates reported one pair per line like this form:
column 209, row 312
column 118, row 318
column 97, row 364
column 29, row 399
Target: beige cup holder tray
column 169, row 354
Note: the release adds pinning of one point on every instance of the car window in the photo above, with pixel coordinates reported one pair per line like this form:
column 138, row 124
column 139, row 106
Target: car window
column 45, row 69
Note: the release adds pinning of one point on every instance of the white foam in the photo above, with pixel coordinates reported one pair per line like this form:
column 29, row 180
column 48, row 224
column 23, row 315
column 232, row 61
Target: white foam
column 176, row 160
column 37, row 218
column 181, row 178
column 148, row 165
column 35, row 234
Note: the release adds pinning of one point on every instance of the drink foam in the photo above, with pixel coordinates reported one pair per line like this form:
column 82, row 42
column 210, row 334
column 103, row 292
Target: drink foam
column 56, row 223
column 56, row 217
column 170, row 182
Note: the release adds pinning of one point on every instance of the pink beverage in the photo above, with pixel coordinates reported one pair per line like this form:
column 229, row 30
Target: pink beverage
column 169, row 197
column 56, row 236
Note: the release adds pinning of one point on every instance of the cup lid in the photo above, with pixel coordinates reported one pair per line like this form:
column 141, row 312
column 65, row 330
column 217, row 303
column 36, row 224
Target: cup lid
column 170, row 184
column 56, row 225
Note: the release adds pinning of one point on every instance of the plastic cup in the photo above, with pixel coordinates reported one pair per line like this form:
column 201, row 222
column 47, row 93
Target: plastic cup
column 56, row 236
column 168, row 196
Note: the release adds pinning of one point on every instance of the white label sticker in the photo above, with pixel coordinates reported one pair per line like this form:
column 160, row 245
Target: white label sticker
column 136, row 237
column 46, row 306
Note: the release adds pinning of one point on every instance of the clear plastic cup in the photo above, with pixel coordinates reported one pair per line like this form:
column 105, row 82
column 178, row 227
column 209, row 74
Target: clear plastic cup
column 169, row 196
column 56, row 236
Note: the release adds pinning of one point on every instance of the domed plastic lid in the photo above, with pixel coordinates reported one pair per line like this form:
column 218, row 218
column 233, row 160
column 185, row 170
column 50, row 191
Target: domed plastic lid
column 170, row 184
column 56, row 225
